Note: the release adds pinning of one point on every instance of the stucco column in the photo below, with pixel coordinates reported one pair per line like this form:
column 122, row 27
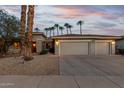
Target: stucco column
column 57, row 47
column 113, row 48
column 39, row 47
column 92, row 48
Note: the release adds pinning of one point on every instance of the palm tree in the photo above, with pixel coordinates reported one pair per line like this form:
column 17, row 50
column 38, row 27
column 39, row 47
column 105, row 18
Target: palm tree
column 61, row 29
column 37, row 29
column 23, row 26
column 50, row 29
column 66, row 25
column 46, row 30
column 53, row 28
column 70, row 26
column 30, row 18
column 57, row 27
column 80, row 24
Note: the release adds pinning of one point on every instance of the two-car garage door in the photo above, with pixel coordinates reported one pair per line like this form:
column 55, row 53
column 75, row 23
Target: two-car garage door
column 84, row 48
column 74, row 48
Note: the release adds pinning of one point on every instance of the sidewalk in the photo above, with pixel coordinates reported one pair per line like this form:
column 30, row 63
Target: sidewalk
column 61, row 82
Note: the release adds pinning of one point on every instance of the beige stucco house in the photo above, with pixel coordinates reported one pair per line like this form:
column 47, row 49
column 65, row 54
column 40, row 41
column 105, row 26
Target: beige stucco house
column 85, row 44
column 38, row 41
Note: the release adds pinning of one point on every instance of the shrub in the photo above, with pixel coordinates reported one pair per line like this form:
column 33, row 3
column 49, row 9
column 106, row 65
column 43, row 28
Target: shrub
column 121, row 51
column 44, row 52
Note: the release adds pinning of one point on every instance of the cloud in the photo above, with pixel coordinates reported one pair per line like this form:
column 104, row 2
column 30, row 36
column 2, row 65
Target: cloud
column 78, row 11
column 12, row 9
column 102, row 25
column 98, row 19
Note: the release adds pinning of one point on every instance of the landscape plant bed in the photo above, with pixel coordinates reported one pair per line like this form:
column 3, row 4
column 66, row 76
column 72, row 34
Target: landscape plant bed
column 40, row 65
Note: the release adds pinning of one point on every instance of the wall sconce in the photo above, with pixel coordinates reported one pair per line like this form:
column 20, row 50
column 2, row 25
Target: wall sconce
column 15, row 45
column 113, row 42
column 34, row 45
column 57, row 42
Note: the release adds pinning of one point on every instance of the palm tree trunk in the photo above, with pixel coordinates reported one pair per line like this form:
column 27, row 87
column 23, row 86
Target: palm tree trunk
column 61, row 32
column 57, row 31
column 46, row 33
column 30, row 18
column 67, row 31
column 53, row 33
column 23, row 26
column 70, row 31
column 80, row 29
column 50, row 33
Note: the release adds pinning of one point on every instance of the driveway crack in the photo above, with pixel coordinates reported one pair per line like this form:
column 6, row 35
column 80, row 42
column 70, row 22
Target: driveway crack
column 76, row 82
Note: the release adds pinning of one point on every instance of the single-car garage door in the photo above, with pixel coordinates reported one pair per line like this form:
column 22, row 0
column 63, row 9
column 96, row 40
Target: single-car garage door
column 74, row 48
column 102, row 48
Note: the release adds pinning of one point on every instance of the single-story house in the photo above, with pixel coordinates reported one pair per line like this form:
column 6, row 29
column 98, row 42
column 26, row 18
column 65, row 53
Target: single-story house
column 75, row 44
column 38, row 42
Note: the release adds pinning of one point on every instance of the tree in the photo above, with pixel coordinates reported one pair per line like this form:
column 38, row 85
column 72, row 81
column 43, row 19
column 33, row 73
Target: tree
column 23, row 27
column 50, row 29
column 53, row 28
column 61, row 29
column 37, row 29
column 57, row 27
column 28, row 44
column 80, row 24
column 70, row 26
column 46, row 30
column 66, row 25
column 9, row 28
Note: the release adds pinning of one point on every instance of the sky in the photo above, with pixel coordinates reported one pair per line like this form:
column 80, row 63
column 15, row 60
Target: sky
column 103, row 20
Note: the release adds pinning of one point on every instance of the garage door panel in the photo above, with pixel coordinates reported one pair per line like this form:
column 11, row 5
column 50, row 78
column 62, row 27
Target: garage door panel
column 75, row 48
column 102, row 48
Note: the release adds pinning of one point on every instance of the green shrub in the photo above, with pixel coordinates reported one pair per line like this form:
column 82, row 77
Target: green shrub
column 43, row 52
column 121, row 51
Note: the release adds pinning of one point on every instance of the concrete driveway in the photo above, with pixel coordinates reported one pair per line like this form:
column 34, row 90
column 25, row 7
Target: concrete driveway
column 94, row 71
column 92, row 65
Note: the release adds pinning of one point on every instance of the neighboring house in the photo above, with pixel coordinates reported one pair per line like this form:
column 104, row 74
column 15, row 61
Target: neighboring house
column 75, row 44
column 38, row 41
column 120, row 45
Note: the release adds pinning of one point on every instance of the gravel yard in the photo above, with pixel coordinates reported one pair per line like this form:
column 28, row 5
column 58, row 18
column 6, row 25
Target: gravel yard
column 40, row 65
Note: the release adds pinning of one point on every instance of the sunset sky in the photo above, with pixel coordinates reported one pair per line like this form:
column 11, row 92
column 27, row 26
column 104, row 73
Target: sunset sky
column 107, row 20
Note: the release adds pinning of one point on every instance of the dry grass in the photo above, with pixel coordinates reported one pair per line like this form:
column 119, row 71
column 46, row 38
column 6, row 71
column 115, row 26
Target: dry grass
column 40, row 65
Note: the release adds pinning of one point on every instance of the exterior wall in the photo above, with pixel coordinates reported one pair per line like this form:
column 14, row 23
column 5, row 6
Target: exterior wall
column 39, row 40
column 36, row 37
column 91, row 46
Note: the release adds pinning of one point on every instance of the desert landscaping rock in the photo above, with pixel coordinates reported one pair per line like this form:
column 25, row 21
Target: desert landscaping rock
column 40, row 65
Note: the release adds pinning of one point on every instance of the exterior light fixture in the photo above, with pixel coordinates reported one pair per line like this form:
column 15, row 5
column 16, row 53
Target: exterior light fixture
column 15, row 45
column 57, row 42
column 113, row 42
column 34, row 45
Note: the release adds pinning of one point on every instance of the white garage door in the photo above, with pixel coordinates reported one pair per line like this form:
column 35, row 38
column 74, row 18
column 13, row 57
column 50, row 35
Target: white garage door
column 74, row 48
column 102, row 48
